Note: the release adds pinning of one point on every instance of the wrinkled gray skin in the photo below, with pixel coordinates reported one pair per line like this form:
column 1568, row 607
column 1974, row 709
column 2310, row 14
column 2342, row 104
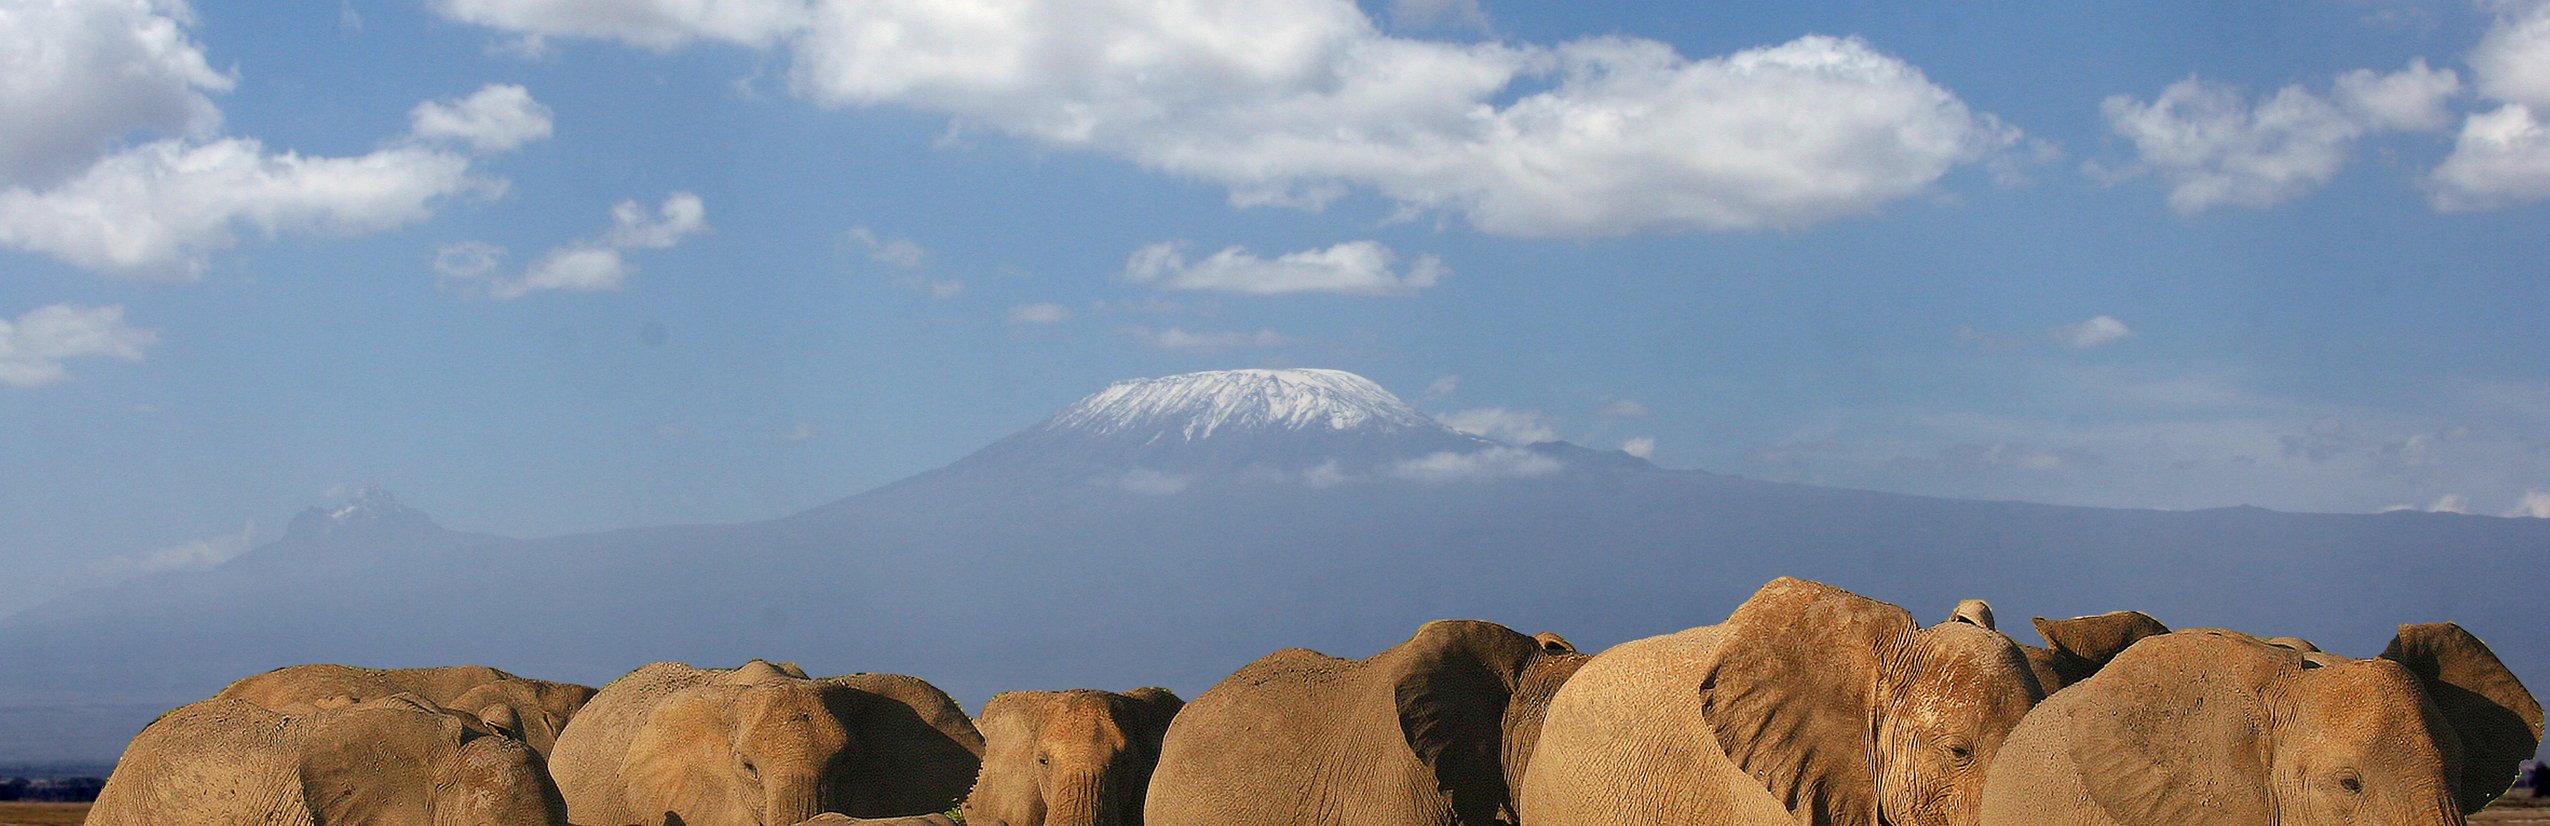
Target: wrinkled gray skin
column 1433, row 731
column 1809, row 705
column 2217, row 728
column 1068, row 758
column 670, row 744
column 533, row 711
column 395, row 761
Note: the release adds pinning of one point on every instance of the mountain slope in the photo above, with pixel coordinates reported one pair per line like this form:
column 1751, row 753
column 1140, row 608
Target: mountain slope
column 1039, row 563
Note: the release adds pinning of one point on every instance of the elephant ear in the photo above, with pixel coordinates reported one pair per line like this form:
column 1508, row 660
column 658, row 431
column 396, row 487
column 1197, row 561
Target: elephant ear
column 1792, row 690
column 2169, row 733
column 1451, row 685
column 916, row 744
column 2498, row 721
column 1974, row 612
column 683, row 738
column 1148, row 711
column 2080, row 646
column 375, row 764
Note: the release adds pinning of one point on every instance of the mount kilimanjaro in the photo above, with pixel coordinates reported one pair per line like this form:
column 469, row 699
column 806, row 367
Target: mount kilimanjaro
column 1167, row 531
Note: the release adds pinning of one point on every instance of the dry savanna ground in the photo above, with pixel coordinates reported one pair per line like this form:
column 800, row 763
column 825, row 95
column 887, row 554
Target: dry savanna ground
column 2508, row 812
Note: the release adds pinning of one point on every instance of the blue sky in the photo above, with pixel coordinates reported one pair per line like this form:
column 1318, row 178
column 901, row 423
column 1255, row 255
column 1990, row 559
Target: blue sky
column 542, row 266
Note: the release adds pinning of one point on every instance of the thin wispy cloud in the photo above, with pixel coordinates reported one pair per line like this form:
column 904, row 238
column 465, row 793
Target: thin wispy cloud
column 34, row 347
column 1352, row 268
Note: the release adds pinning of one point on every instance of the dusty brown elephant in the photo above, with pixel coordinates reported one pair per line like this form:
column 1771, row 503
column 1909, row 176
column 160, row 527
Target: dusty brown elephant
column 394, row 761
column 1432, row 731
column 837, row 819
column 1809, row 705
column 672, row 745
column 2214, row 728
column 2076, row 648
column 533, row 711
column 1068, row 758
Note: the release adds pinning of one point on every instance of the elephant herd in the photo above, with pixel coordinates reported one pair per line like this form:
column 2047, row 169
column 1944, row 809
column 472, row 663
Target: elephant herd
column 1808, row 705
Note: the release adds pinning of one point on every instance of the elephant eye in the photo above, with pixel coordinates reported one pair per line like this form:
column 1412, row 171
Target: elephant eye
column 2351, row 783
column 1964, row 755
column 1042, row 760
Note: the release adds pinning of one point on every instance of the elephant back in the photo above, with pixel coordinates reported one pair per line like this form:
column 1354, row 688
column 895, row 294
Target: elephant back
column 586, row 758
column 198, row 764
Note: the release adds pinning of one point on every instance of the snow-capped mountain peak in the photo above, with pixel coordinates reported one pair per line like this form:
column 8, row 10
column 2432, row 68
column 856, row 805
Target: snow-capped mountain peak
column 1195, row 406
column 372, row 506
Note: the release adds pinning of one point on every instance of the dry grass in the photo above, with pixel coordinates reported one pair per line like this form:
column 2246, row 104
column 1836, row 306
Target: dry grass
column 42, row 814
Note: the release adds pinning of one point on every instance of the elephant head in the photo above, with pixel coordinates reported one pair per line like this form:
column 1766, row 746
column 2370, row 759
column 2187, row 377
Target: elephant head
column 760, row 744
column 2076, row 648
column 2215, row 727
column 753, row 747
column 401, row 761
column 1850, row 713
column 533, row 711
column 1068, row 758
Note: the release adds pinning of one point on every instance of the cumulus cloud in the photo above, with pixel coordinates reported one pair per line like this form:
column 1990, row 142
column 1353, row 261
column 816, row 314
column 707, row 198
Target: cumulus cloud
column 1351, row 268
column 1643, row 447
column 83, row 75
column 1477, row 466
column 1039, row 314
column 498, row 118
column 77, row 77
column 2502, row 157
column 158, row 211
column 191, row 555
column 2095, row 332
column 2214, row 149
column 2534, row 504
column 1514, row 427
column 33, row 347
column 1179, row 339
column 591, row 265
column 655, row 24
column 1300, row 101
column 900, row 253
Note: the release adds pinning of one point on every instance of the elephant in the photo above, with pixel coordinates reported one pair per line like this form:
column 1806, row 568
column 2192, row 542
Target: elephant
column 1809, row 705
column 1068, row 758
column 672, row 745
column 2207, row 728
column 2075, row 648
column 838, row 819
column 392, row 761
column 1435, row 730
column 533, row 711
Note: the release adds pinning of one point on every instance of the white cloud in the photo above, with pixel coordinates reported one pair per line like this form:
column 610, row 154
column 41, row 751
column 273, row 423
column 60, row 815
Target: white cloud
column 2534, row 504
column 1039, row 314
column 575, row 269
column 2095, row 332
column 1643, row 447
column 900, row 253
column 2214, row 149
column 1442, row 388
column 77, row 77
column 1299, row 101
column 1514, row 427
column 655, row 24
column 583, row 266
column 1623, row 409
column 498, row 118
column 1479, row 466
column 2501, row 159
column 1179, row 339
column 464, row 261
column 2450, row 503
column 33, row 348
column 192, row 555
column 158, row 211
column 1351, row 268
column 680, row 216
column 2512, row 63
column 1151, row 482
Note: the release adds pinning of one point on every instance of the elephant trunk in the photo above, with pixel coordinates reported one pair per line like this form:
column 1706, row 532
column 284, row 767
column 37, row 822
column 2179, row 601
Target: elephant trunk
column 792, row 799
column 1082, row 799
